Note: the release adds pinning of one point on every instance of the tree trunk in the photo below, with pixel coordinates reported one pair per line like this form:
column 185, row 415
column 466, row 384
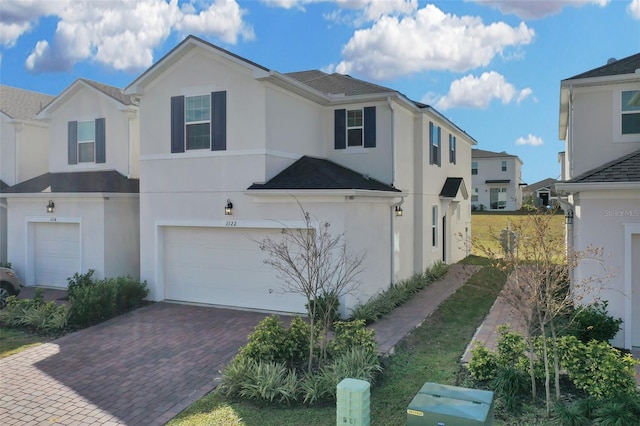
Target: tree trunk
column 547, row 376
column 532, row 371
column 556, row 360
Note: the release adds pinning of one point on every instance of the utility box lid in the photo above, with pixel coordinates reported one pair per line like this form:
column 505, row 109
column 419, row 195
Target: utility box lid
column 354, row 385
column 451, row 402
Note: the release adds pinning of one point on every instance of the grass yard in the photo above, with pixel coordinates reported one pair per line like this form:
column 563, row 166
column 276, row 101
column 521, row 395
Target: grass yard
column 430, row 354
column 14, row 341
column 486, row 228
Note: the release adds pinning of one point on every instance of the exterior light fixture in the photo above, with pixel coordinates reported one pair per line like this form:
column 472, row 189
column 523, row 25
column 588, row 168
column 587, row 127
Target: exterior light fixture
column 399, row 211
column 50, row 207
column 569, row 217
column 228, row 209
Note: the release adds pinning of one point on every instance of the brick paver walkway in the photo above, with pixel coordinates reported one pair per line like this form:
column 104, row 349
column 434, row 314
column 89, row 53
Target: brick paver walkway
column 142, row 368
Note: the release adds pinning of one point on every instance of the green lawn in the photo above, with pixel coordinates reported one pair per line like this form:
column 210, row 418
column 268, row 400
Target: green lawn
column 430, row 354
column 14, row 341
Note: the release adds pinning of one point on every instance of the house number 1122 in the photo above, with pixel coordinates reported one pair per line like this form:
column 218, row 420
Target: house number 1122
column 231, row 223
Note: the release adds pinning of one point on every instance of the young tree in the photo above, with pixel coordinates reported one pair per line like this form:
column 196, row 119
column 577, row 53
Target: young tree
column 313, row 263
column 539, row 288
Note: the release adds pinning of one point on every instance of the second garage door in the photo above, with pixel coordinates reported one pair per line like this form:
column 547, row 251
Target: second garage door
column 56, row 253
column 223, row 266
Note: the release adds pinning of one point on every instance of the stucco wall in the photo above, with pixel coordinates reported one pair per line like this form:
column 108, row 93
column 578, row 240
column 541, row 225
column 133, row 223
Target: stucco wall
column 122, row 236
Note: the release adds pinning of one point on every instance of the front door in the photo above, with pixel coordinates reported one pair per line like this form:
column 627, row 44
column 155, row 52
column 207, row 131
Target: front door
column 444, row 238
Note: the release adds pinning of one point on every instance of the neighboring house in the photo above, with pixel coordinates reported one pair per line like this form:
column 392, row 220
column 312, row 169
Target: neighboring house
column 600, row 124
column 82, row 212
column 229, row 148
column 496, row 180
column 24, row 141
column 542, row 193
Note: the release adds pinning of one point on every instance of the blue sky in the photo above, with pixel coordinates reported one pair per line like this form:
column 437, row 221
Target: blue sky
column 491, row 66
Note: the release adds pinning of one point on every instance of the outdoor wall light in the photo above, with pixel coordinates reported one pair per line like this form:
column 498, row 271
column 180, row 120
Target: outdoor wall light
column 399, row 211
column 569, row 216
column 50, row 207
column 228, row 209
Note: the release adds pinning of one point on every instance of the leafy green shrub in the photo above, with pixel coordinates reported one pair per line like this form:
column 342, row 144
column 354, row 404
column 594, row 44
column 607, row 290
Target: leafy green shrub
column 593, row 322
column 620, row 411
column 384, row 302
column 96, row 301
column 34, row 314
column 272, row 341
column 318, row 386
column 571, row 415
column 509, row 384
column 512, row 349
column 351, row 334
column 79, row 281
column 269, row 381
column 598, row 368
column 484, row 363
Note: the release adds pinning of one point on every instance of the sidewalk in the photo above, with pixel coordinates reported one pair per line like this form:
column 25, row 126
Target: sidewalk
column 395, row 326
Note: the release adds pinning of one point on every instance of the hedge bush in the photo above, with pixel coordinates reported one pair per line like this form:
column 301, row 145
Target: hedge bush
column 34, row 314
column 593, row 322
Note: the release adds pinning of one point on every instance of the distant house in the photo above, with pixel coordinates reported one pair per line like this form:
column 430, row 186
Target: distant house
column 496, row 180
column 600, row 124
column 82, row 211
column 542, row 193
column 24, row 142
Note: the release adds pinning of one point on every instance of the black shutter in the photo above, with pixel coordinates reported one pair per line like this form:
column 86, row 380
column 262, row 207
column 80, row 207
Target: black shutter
column 439, row 146
column 370, row 127
column 177, row 124
column 340, row 129
column 219, row 121
column 72, row 142
column 101, row 150
column 431, row 159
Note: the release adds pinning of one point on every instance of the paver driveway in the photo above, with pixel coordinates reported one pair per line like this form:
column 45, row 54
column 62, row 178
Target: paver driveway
column 142, row 368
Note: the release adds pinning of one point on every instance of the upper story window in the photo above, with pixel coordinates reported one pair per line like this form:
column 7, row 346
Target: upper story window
column 434, row 144
column 355, row 128
column 474, row 167
column 452, row 149
column 199, row 122
column 630, row 112
column 86, row 141
column 474, row 195
column 504, row 165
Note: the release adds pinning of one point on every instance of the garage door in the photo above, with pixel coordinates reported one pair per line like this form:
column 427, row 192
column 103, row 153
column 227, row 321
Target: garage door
column 223, row 266
column 56, row 253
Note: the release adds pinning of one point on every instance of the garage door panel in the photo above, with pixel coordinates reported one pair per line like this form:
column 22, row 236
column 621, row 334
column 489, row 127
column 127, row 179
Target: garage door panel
column 224, row 267
column 56, row 253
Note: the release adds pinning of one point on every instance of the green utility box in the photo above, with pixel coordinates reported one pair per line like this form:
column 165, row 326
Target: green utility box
column 353, row 406
column 442, row 405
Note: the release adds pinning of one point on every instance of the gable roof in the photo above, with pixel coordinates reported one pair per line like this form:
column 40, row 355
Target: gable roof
column 114, row 92
column 451, row 187
column 627, row 65
column 318, row 173
column 623, row 169
column 481, row 153
column 22, row 104
column 336, row 84
column 95, row 181
column 548, row 182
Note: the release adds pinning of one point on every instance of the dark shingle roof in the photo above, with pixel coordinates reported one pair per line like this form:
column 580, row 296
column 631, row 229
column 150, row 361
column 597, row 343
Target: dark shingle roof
column 623, row 169
column 317, row 173
column 497, row 181
column 111, row 91
column 99, row 181
column 22, row 104
column 451, row 187
column 540, row 184
column 335, row 83
column 627, row 65
column 3, row 185
column 481, row 153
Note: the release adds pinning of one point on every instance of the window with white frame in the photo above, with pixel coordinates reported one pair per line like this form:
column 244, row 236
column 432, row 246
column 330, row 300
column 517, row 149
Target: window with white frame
column 86, row 141
column 355, row 127
column 504, row 165
column 630, row 109
column 474, row 195
column 434, row 144
column 197, row 122
column 498, row 198
column 452, row 149
column 434, row 226
column 474, row 167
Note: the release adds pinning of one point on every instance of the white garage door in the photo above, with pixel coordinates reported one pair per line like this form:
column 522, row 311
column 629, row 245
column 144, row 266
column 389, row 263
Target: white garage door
column 223, row 266
column 56, row 253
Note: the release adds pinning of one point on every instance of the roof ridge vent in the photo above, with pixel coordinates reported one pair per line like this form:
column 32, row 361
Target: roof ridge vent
column 611, row 61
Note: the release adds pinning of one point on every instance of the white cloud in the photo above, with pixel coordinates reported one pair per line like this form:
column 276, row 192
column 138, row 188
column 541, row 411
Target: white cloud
column 360, row 11
column 19, row 17
column 536, row 9
column 122, row 34
column 428, row 40
column 478, row 92
column 634, row 9
column 530, row 140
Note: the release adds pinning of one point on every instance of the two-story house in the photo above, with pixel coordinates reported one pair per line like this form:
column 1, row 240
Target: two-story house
column 24, row 144
column 600, row 124
column 541, row 193
column 82, row 212
column 496, row 180
column 228, row 148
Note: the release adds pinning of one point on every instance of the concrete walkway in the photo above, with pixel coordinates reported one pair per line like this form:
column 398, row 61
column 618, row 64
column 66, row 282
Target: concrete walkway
column 396, row 325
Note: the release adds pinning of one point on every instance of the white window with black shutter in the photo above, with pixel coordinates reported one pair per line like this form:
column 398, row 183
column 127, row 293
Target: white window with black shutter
column 86, row 141
column 452, row 149
column 199, row 122
column 435, row 153
column 355, row 128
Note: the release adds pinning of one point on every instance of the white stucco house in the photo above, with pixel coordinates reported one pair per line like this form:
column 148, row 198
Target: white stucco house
column 229, row 147
column 496, row 180
column 82, row 211
column 24, row 142
column 541, row 193
column 600, row 125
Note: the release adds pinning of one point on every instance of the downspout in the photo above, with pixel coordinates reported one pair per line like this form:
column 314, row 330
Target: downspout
column 570, row 153
column 392, row 208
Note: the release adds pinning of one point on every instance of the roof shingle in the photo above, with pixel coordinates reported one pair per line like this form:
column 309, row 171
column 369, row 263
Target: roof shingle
column 98, row 181
column 336, row 84
column 627, row 65
column 623, row 169
column 22, row 104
